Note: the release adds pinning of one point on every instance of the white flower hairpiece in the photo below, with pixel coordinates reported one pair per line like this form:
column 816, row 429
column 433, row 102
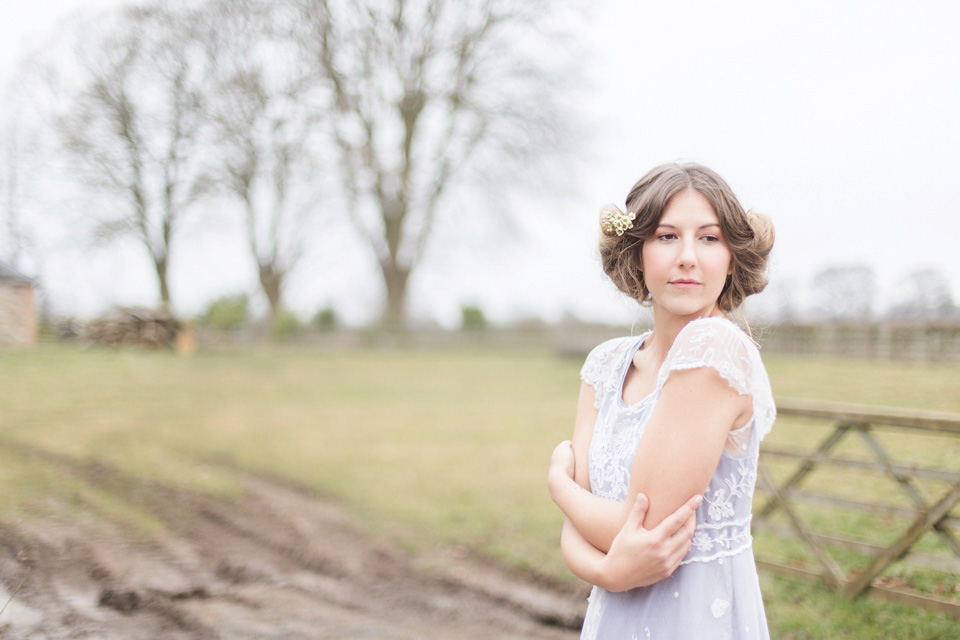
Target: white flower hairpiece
column 615, row 221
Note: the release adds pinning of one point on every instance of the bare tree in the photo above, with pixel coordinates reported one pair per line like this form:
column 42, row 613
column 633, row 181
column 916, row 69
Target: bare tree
column 924, row 294
column 132, row 125
column 12, row 236
column 20, row 154
column 265, row 119
column 421, row 94
column 844, row 293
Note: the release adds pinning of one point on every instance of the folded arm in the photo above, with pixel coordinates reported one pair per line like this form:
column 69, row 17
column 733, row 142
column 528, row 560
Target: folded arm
column 632, row 556
column 684, row 438
column 598, row 520
column 637, row 557
column 675, row 458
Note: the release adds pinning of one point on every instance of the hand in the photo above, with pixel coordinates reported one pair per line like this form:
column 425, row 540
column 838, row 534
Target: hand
column 639, row 557
column 563, row 458
column 561, row 472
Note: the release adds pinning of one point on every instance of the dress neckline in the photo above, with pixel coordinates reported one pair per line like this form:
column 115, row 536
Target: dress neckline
column 623, row 375
column 621, row 403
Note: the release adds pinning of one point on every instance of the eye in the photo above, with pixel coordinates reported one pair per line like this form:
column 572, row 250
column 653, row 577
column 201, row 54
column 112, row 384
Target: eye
column 710, row 239
column 666, row 236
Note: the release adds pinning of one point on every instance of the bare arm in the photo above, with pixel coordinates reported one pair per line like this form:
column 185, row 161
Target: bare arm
column 598, row 520
column 684, row 439
column 687, row 431
column 637, row 557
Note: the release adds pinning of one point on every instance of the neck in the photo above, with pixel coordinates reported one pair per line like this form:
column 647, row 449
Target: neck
column 666, row 326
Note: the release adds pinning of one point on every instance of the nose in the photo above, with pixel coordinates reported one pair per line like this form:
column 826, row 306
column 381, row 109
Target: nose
column 688, row 253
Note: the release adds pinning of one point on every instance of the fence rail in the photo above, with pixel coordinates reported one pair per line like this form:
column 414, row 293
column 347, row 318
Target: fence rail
column 925, row 515
column 886, row 340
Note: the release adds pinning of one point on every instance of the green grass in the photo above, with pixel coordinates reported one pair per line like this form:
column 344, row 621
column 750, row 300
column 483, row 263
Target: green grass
column 428, row 447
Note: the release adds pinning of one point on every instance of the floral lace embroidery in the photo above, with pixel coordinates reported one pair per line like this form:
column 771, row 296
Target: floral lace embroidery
column 721, row 506
column 719, row 607
column 707, row 346
column 730, row 539
column 718, row 343
column 602, row 366
column 723, row 536
column 612, row 450
column 702, row 541
column 723, row 529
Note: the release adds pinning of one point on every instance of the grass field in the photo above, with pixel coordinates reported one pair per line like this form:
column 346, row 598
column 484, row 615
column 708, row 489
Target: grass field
column 439, row 446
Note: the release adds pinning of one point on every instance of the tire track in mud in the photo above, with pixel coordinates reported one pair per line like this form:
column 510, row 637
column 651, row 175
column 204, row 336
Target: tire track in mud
column 278, row 562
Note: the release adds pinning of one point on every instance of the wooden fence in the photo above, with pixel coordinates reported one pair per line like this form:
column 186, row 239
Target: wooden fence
column 925, row 513
column 883, row 340
column 880, row 340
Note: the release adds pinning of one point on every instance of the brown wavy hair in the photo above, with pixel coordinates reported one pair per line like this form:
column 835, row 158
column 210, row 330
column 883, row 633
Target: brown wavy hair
column 748, row 234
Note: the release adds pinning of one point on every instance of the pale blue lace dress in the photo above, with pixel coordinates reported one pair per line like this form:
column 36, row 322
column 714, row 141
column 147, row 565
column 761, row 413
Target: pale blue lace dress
column 715, row 593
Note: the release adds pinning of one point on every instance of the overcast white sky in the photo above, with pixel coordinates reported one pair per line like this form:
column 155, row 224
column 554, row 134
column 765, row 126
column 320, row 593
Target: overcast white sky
column 839, row 119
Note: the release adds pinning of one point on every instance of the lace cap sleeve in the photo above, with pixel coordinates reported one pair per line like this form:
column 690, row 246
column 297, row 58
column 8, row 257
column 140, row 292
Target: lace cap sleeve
column 722, row 345
column 600, row 368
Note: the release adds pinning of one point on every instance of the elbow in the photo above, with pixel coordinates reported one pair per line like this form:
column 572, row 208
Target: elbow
column 553, row 486
column 604, row 541
column 573, row 561
column 610, row 578
column 612, row 575
column 594, row 571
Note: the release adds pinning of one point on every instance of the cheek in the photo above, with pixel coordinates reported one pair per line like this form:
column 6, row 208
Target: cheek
column 722, row 261
column 652, row 259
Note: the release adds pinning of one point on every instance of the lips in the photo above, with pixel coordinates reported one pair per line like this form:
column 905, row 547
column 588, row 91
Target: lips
column 685, row 283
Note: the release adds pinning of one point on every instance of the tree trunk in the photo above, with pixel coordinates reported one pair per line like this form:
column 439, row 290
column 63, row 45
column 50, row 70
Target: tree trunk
column 160, row 264
column 271, row 280
column 395, row 278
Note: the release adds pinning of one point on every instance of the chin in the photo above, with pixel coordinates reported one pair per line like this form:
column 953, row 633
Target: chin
column 689, row 310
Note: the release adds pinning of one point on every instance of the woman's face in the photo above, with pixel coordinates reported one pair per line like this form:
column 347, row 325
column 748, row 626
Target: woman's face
column 686, row 262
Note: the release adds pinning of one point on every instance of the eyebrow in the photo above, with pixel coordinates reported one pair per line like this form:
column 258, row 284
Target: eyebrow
column 703, row 226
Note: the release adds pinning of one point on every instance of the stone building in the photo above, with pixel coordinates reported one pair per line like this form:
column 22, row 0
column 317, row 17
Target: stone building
column 18, row 309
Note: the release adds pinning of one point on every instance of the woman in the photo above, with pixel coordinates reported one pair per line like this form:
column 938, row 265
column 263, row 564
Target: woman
column 675, row 412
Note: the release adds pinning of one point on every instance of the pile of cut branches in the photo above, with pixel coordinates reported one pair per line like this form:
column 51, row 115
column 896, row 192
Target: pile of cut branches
column 134, row 326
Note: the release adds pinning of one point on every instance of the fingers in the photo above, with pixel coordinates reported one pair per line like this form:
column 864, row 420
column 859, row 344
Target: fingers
column 562, row 453
column 563, row 458
column 686, row 531
column 563, row 450
column 682, row 538
column 679, row 544
column 638, row 513
column 677, row 556
column 673, row 524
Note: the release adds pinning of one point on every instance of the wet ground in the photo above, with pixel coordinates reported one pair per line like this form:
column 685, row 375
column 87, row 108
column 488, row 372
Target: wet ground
column 279, row 562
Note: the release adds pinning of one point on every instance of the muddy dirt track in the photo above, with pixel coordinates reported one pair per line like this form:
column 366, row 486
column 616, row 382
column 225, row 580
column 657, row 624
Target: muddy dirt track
column 278, row 563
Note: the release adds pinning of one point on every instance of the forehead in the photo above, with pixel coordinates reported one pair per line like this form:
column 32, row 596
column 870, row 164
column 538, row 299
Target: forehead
column 688, row 207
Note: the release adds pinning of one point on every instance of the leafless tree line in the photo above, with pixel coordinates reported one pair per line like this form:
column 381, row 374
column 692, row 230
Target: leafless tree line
column 849, row 293
column 293, row 113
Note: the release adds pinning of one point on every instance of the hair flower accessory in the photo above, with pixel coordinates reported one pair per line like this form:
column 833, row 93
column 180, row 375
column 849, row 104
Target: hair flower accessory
column 615, row 221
